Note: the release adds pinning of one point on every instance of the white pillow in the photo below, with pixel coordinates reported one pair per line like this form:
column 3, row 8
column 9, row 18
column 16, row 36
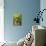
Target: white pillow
column 21, row 42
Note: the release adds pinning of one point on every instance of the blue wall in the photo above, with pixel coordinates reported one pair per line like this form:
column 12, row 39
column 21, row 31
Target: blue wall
column 27, row 8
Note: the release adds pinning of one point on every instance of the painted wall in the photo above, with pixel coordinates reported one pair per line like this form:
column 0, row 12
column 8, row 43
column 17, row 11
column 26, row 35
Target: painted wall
column 27, row 8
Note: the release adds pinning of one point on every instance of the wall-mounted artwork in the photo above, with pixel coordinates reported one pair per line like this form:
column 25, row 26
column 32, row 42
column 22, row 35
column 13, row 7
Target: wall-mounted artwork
column 17, row 20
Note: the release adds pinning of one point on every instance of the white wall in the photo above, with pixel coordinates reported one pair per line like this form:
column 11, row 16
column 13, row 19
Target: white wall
column 1, row 21
column 43, row 6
